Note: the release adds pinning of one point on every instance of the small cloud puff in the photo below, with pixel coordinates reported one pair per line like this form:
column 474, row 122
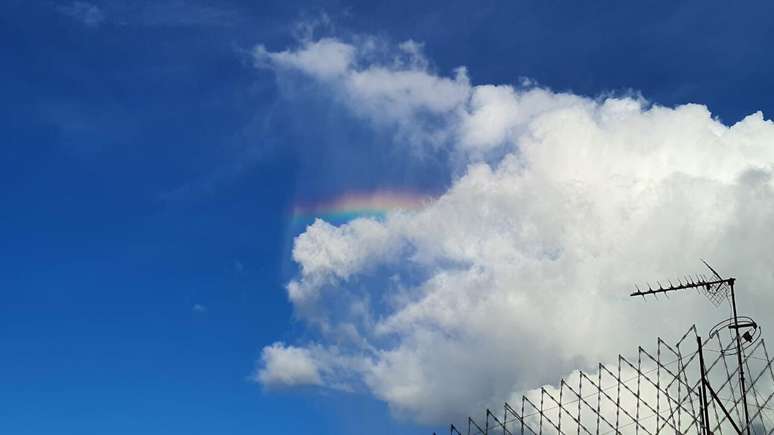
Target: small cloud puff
column 284, row 366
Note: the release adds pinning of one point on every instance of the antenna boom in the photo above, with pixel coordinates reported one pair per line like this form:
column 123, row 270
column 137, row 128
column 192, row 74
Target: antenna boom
column 684, row 285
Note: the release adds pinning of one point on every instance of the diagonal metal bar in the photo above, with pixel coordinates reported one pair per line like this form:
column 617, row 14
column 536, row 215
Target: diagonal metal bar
column 497, row 420
column 601, row 391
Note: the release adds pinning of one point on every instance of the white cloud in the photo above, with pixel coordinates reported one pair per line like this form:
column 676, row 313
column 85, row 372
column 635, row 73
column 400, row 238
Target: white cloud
column 323, row 59
column 287, row 366
column 398, row 92
column 89, row 14
column 328, row 253
column 520, row 272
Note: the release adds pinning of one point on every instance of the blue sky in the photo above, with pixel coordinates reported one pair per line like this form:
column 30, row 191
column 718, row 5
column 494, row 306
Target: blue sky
column 149, row 171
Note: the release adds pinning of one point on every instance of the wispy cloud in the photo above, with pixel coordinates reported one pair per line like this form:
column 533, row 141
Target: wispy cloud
column 239, row 266
column 87, row 13
column 185, row 13
column 199, row 308
column 171, row 13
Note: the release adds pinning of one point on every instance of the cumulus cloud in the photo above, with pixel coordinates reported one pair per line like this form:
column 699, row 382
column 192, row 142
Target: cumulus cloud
column 287, row 366
column 520, row 272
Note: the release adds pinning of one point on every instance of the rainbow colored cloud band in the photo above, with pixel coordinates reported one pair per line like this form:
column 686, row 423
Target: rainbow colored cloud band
column 358, row 204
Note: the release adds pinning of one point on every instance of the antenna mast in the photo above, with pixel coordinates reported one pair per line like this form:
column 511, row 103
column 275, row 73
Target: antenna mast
column 716, row 289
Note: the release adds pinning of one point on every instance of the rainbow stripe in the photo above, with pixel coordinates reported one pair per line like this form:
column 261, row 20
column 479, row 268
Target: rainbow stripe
column 358, row 204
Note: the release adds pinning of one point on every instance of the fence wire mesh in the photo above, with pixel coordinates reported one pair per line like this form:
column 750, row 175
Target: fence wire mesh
column 655, row 392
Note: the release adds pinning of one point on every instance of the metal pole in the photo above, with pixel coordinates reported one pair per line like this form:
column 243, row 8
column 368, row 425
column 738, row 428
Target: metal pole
column 739, row 358
column 725, row 411
column 704, row 403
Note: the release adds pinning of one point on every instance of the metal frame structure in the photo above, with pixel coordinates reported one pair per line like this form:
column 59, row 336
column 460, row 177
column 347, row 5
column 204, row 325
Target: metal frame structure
column 717, row 290
column 676, row 390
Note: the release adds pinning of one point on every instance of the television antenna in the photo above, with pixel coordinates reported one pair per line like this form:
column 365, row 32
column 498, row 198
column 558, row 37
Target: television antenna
column 717, row 289
column 656, row 391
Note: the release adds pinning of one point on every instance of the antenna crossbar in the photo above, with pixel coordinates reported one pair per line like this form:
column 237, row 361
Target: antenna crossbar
column 698, row 283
